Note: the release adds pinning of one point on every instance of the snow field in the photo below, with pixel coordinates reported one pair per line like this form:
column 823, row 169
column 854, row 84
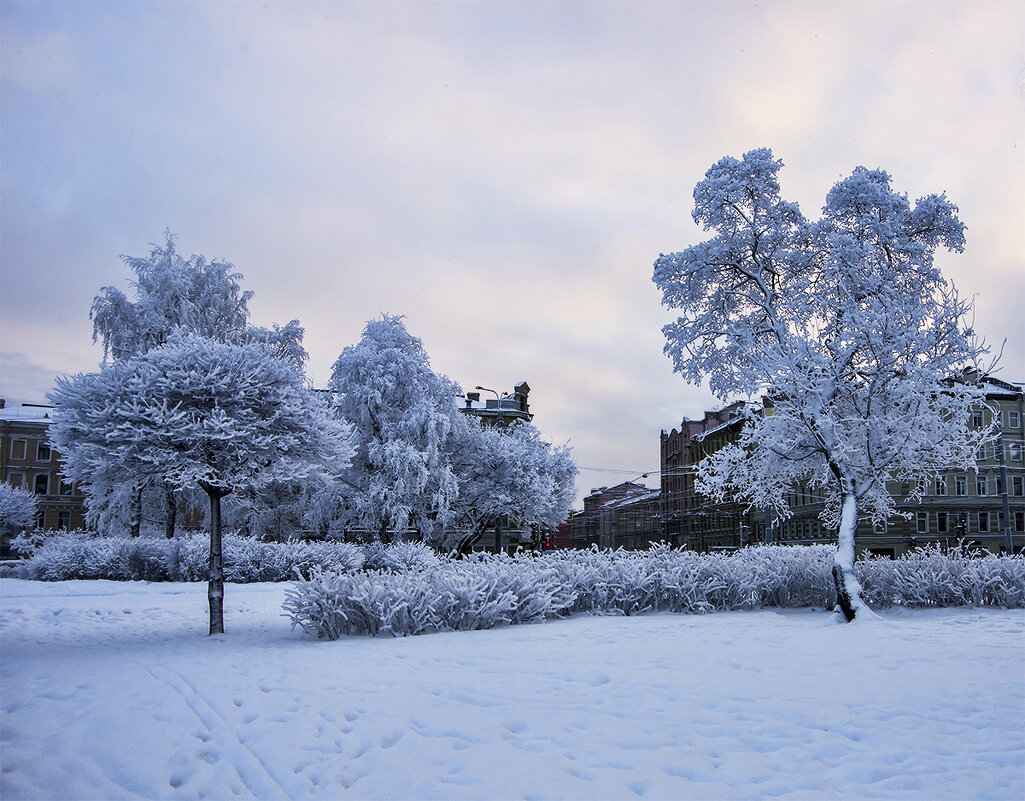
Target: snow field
column 113, row 690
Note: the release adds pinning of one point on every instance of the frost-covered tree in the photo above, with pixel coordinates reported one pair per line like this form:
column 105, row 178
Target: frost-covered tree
column 402, row 414
column 861, row 347
column 195, row 412
column 17, row 507
column 508, row 472
column 172, row 296
column 178, row 295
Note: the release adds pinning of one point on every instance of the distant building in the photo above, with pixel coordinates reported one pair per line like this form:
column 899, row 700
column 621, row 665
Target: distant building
column 597, row 523
column 29, row 461
column 502, row 410
column 690, row 519
column 976, row 506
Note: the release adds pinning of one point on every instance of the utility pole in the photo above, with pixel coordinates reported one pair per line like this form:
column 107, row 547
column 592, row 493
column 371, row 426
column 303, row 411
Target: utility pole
column 1008, row 538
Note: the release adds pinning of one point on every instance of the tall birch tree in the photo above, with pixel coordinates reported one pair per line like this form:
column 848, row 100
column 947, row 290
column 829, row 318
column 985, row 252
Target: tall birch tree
column 863, row 350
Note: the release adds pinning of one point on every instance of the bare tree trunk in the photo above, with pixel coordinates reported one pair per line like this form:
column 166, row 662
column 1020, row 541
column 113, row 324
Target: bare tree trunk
column 848, row 590
column 170, row 512
column 215, row 584
column 135, row 517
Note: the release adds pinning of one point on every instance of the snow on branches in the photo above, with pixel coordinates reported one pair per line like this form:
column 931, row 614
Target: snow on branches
column 863, row 350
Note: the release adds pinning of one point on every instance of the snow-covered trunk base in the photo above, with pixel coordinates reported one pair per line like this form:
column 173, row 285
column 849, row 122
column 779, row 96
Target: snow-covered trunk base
column 848, row 589
column 215, row 584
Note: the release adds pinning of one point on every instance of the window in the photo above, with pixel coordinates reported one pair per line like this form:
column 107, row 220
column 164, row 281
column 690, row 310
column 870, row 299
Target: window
column 1019, row 521
column 18, row 448
column 1018, row 485
column 64, row 519
column 960, row 485
column 982, row 484
column 40, row 519
column 43, row 452
column 983, row 522
column 977, row 419
column 941, row 485
column 941, row 522
column 1015, row 450
column 922, row 523
column 1014, row 419
column 65, row 488
column 42, row 484
column 15, row 479
column 880, row 527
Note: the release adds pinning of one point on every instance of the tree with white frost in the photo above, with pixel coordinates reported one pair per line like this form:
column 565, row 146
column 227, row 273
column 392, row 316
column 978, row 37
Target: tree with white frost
column 402, row 414
column 195, row 412
column 178, row 295
column 861, row 347
column 508, row 472
column 173, row 296
column 17, row 507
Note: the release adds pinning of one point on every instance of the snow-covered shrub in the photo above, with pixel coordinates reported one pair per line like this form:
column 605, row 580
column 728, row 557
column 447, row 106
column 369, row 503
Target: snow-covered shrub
column 932, row 577
column 80, row 555
column 17, row 507
column 485, row 590
column 477, row 593
column 402, row 557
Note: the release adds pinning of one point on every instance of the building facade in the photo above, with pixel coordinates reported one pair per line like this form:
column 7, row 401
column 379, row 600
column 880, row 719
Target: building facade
column 29, row 461
column 983, row 507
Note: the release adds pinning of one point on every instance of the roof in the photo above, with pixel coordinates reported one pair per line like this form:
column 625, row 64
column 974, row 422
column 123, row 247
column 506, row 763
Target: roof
column 27, row 414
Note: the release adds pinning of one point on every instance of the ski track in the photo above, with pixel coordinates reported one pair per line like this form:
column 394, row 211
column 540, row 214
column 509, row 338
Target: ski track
column 115, row 691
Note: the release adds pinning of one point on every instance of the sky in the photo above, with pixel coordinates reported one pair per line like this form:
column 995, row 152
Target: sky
column 502, row 174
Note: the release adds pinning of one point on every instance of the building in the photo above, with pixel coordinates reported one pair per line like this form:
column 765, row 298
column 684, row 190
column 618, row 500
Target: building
column 688, row 518
column 29, row 461
column 502, row 410
column 983, row 507
column 599, row 522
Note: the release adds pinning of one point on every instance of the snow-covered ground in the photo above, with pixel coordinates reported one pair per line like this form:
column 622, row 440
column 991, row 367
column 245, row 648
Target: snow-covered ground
column 114, row 691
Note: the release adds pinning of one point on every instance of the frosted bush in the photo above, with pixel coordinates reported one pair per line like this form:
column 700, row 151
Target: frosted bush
column 484, row 590
column 80, row 555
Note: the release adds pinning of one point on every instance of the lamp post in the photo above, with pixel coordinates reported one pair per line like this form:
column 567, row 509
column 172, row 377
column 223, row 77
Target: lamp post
column 498, row 424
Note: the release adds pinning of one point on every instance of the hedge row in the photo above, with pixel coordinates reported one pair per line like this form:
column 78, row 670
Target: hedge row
column 487, row 591
column 78, row 555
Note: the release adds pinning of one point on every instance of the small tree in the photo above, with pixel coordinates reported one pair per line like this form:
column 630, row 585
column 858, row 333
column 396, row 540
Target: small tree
column 508, row 472
column 402, row 414
column 173, row 296
column 846, row 323
column 17, row 508
column 195, row 412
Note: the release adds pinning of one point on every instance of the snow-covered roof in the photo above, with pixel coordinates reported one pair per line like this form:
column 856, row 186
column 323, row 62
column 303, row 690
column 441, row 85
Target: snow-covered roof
column 650, row 495
column 41, row 414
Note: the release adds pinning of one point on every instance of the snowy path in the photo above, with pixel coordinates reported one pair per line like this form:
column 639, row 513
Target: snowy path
column 114, row 691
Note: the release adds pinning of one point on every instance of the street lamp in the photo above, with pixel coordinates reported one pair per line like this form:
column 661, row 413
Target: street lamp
column 498, row 404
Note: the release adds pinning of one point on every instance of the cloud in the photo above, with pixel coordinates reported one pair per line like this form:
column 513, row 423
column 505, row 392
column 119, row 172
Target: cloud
column 504, row 174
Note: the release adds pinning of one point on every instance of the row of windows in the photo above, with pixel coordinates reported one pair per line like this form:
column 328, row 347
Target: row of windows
column 1012, row 450
column 1011, row 418
column 39, row 483
column 984, row 485
column 967, row 522
column 20, row 449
